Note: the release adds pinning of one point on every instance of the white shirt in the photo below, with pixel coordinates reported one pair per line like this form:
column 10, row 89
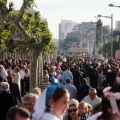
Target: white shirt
column 93, row 102
column 59, row 77
column 22, row 74
column 3, row 74
column 49, row 116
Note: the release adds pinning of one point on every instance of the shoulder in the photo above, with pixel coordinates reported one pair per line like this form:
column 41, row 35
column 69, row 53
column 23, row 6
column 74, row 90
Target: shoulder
column 86, row 98
column 97, row 98
column 48, row 116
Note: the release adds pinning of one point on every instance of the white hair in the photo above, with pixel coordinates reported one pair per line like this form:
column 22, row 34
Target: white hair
column 29, row 96
column 93, row 89
column 4, row 86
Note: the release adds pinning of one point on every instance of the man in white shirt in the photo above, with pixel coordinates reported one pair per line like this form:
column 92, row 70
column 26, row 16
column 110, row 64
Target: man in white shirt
column 67, row 75
column 22, row 72
column 92, row 97
column 3, row 73
column 22, row 75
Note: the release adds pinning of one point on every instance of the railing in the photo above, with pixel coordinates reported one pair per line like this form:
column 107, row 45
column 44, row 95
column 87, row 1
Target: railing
column 4, row 55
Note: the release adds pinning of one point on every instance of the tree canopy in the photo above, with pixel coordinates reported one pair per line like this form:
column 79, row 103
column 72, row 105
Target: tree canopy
column 66, row 41
column 22, row 28
column 107, row 48
column 27, row 30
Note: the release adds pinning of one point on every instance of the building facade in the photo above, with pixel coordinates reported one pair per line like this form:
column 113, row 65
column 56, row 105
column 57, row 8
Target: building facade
column 65, row 27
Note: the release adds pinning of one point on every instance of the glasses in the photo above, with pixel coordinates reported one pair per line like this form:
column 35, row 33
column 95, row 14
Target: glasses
column 72, row 110
column 92, row 94
column 30, row 104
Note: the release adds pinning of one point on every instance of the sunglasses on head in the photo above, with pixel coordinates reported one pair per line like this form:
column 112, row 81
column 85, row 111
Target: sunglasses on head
column 72, row 110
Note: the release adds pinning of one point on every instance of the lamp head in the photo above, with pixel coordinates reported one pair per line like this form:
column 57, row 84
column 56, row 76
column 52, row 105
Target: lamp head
column 99, row 15
column 111, row 5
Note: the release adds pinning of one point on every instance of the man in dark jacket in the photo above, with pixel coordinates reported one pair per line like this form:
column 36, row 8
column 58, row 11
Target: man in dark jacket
column 83, row 89
column 6, row 100
column 14, row 90
column 76, row 77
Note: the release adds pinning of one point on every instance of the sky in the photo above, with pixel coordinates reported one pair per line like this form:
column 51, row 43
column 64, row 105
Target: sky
column 75, row 10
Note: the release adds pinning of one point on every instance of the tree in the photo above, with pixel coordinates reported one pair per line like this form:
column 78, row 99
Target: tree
column 69, row 40
column 115, row 33
column 107, row 48
column 105, row 30
column 27, row 30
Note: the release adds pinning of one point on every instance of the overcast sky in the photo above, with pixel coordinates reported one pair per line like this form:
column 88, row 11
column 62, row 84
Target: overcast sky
column 75, row 10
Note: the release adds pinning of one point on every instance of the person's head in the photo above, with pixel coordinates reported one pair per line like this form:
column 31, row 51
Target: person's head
column 92, row 93
column 100, row 71
column 90, row 109
column 83, row 81
column 9, row 78
column 4, row 86
column 45, row 72
column 23, row 66
column 67, row 80
column 9, row 72
column 66, row 67
column 1, row 67
column 29, row 101
column 52, row 70
column 26, row 70
column 53, row 99
column 58, row 104
column 73, row 109
column 18, row 113
column 83, row 108
column 37, row 91
column 58, row 71
column 16, row 69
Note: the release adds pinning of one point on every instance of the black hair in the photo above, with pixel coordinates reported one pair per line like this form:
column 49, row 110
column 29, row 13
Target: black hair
column 59, row 93
column 9, row 78
column 69, row 117
column 17, row 110
column 67, row 80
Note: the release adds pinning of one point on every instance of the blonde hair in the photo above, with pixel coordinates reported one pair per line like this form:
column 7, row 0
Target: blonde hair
column 45, row 72
column 73, row 102
column 86, row 106
column 36, row 90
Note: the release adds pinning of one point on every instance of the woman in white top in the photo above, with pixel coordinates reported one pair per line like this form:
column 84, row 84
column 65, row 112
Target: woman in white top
column 52, row 103
column 16, row 78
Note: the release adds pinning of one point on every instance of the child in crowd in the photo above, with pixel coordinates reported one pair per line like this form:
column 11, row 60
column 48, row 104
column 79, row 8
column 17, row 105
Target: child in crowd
column 84, row 110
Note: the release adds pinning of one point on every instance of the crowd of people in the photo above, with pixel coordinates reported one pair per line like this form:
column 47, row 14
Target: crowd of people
column 77, row 90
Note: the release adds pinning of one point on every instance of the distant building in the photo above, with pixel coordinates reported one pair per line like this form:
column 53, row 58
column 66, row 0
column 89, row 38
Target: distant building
column 65, row 27
column 86, row 32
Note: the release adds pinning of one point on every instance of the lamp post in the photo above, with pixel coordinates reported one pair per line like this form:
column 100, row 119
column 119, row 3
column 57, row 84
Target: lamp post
column 111, row 17
column 111, row 5
column 95, row 54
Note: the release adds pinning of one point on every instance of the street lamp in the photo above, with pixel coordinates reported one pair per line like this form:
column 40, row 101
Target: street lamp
column 111, row 17
column 111, row 5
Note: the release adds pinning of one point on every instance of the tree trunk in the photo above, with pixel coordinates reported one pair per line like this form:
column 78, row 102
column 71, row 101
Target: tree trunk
column 40, row 69
column 34, row 55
